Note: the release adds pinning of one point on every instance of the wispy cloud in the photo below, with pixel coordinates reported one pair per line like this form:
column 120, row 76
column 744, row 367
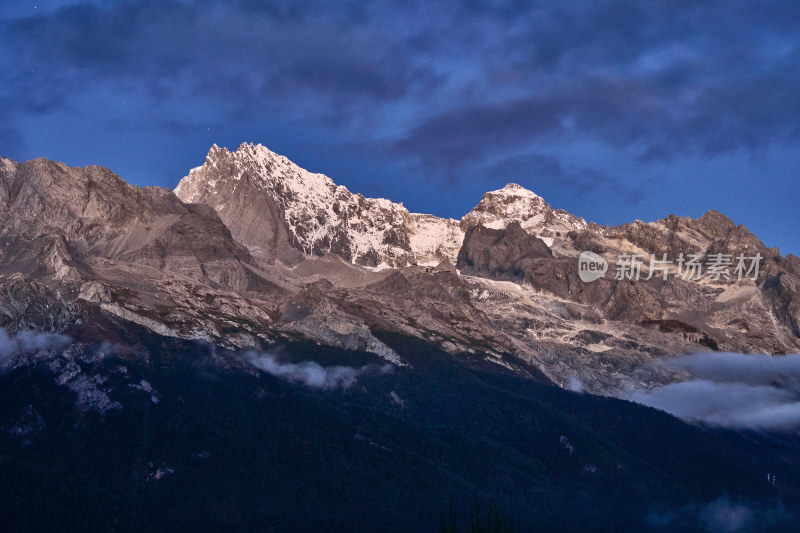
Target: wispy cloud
column 732, row 390
column 723, row 515
column 28, row 342
column 313, row 374
column 667, row 79
column 429, row 103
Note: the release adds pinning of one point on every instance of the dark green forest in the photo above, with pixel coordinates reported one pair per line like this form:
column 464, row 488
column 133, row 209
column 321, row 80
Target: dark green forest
column 451, row 444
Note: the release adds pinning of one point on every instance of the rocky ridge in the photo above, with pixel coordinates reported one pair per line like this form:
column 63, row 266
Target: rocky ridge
column 270, row 204
column 276, row 252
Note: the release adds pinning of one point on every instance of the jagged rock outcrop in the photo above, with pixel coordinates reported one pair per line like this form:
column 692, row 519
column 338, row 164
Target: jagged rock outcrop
column 513, row 203
column 632, row 302
column 317, row 317
column 269, row 204
column 60, row 220
column 500, row 253
column 747, row 315
column 26, row 304
column 265, row 250
column 254, row 219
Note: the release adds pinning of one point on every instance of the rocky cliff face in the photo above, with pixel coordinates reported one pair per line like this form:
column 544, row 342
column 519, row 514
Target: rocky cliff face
column 505, row 254
column 513, row 236
column 265, row 251
column 61, row 221
column 269, row 203
column 78, row 244
column 513, row 203
column 752, row 314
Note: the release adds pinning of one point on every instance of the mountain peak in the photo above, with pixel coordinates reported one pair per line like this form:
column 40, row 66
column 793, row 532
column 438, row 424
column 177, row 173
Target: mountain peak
column 317, row 215
column 514, row 189
column 216, row 150
column 259, row 148
column 515, row 203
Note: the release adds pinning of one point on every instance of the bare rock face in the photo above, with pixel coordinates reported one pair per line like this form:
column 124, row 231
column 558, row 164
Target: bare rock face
column 270, row 204
column 263, row 250
column 60, row 220
column 254, row 219
column 314, row 315
column 559, row 276
column 26, row 304
column 515, row 204
column 632, row 302
column 749, row 315
column 500, row 253
column 784, row 290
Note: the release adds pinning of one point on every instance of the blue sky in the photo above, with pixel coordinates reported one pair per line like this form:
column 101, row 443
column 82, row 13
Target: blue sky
column 613, row 110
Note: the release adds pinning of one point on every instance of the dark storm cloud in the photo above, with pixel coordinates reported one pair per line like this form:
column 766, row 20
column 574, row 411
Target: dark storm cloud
column 612, row 60
column 660, row 120
column 733, row 390
column 245, row 57
column 451, row 91
column 542, row 168
column 666, row 79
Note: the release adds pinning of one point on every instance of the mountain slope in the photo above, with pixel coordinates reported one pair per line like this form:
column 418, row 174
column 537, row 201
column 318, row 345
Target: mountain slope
column 63, row 221
column 269, row 202
column 81, row 243
column 175, row 435
column 524, row 293
column 158, row 374
column 513, row 203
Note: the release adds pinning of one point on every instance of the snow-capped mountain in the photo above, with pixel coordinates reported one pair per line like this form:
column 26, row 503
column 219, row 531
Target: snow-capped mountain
column 271, row 204
column 515, row 259
column 268, row 201
column 138, row 335
column 244, row 263
column 514, row 203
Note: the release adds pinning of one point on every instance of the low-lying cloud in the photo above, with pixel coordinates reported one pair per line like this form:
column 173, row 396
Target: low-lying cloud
column 723, row 515
column 28, row 342
column 313, row 374
column 758, row 392
column 576, row 385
